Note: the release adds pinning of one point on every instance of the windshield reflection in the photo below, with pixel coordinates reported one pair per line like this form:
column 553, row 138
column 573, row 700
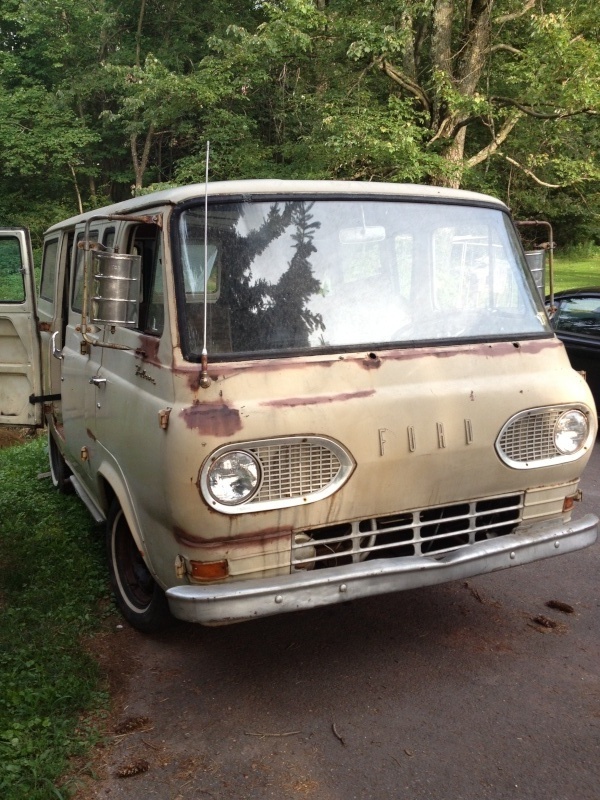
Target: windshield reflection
column 299, row 275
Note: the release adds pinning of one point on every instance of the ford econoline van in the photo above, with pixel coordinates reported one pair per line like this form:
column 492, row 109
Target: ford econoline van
column 285, row 394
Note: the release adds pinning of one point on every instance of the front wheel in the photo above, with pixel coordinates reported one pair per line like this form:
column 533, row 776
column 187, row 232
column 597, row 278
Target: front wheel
column 140, row 599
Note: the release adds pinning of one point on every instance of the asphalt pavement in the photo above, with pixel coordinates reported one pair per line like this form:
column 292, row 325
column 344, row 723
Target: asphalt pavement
column 455, row 692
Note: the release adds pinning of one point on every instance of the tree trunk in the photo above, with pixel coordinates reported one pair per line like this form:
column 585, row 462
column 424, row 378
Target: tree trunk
column 454, row 155
column 140, row 164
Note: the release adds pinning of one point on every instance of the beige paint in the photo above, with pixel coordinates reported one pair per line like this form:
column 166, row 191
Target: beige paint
column 420, row 423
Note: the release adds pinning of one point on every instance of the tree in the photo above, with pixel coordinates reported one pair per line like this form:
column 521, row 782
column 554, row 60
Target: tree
column 99, row 92
column 417, row 89
column 99, row 100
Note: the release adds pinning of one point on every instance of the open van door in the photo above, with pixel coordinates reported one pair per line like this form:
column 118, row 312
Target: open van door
column 20, row 357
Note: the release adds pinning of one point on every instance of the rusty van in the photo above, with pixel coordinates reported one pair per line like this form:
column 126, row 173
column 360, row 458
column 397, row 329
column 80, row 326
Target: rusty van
column 279, row 395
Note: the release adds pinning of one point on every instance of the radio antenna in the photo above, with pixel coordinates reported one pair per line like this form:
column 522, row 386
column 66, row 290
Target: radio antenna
column 205, row 380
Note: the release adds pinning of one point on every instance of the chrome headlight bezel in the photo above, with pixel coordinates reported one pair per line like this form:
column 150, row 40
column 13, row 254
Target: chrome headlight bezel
column 294, row 470
column 528, row 440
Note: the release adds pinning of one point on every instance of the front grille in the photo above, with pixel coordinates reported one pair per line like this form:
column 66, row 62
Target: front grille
column 423, row 532
column 529, row 437
column 294, row 469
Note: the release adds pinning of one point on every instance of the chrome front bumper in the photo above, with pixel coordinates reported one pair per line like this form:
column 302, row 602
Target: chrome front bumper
column 224, row 603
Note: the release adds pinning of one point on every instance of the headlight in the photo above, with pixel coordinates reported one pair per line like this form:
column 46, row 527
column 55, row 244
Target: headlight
column 571, row 432
column 234, row 477
column 545, row 436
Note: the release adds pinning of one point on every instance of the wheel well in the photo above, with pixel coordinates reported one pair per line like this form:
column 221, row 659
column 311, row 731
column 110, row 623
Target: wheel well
column 108, row 494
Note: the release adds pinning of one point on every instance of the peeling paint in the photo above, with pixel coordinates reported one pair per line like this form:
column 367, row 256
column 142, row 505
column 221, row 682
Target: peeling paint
column 292, row 402
column 485, row 350
column 244, row 539
column 228, row 369
column 372, row 361
column 148, row 350
column 215, row 419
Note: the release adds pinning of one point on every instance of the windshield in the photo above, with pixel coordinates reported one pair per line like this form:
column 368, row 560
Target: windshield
column 305, row 274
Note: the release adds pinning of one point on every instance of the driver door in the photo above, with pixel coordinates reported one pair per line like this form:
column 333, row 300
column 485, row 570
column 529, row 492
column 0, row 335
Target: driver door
column 20, row 357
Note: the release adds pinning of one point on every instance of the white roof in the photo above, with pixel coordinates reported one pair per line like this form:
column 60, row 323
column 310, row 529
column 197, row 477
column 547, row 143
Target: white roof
column 137, row 205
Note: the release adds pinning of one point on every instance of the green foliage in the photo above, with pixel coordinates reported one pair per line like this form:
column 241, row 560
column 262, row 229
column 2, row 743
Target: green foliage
column 11, row 281
column 102, row 100
column 582, row 251
column 52, row 577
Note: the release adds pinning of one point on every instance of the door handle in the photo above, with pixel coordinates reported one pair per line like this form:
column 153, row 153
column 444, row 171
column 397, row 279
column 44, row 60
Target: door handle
column 55, row 351
column 98, row 381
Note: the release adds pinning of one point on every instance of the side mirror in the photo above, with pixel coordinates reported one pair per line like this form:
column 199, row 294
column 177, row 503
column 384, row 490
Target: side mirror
column 115, row 289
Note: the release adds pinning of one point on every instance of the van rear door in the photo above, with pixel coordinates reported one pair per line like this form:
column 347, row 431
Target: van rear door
column 20, row 358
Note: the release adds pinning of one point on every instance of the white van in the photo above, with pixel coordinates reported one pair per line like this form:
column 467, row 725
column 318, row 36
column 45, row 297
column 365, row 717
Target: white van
column 286, row 394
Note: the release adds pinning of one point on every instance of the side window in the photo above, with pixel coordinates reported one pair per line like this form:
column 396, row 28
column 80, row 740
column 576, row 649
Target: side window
column 108, row 238
column 49, row 267
column 156, row 306
column 77, row 297
column 146, row 241
column 580, row 315
column 12, row 286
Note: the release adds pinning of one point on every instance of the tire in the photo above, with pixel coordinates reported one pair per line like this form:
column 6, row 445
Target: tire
column 59, row 471
column 140, row 599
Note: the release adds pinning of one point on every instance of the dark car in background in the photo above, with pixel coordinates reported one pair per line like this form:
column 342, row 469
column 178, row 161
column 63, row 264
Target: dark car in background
column 577, row 323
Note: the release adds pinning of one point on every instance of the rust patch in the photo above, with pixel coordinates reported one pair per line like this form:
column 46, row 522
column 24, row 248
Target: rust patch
column 214, row 419
column 195, row 378
column 484, row 349
column 292, row 402
column 537, row 345
column 194, row 381
column 91, row 434
column 372, row 361
column 148, row 349
column 229, row 369
column 241, row 539
column 44, row 327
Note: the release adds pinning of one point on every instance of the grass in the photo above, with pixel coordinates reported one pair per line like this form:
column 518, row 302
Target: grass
column 574, row 270
column 52, row 582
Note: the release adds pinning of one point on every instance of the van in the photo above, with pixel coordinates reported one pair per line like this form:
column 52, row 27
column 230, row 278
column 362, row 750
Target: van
column 279, row 395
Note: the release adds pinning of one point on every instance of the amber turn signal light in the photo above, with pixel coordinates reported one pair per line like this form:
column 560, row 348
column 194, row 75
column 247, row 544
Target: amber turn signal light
column 209, row 570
